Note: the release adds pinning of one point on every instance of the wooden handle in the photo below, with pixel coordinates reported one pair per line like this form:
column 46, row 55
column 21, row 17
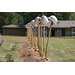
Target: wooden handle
column 38, row 36
column 44, row 39
column 35, row 40
column 41, row 38
column 39, row 41
column 28, row 34
column 48, row 40
column 31, row 37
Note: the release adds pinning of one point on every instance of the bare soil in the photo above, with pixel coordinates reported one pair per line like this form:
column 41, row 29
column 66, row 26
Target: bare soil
column 28, row 54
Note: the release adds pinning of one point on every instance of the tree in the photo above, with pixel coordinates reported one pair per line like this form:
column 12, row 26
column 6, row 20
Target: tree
column 28, row 16
column 7, row 18
column 72, row 16
column 66, row 15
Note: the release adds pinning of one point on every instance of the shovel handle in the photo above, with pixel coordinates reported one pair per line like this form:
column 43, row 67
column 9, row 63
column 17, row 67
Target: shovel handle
column 44, row 39
column 48, row 40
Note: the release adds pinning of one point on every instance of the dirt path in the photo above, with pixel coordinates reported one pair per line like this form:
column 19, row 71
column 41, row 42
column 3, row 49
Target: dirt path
column 27, row 54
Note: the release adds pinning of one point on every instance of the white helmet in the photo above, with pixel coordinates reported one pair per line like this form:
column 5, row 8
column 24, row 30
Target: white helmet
column 26, row 26
column 33, row 22
column 35, row 25
column 54, row 19
column 37, row 20
column 44, row 20
column 29, row 24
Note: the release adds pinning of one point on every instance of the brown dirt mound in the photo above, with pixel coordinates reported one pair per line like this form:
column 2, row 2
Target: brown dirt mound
column 27, row 54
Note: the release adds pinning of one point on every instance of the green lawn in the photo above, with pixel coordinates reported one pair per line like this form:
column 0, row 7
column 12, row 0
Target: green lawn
column 10, row 47
column 60, row 49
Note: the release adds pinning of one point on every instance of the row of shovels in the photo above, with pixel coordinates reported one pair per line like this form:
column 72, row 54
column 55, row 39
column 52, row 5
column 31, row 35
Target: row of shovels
column 36, row 33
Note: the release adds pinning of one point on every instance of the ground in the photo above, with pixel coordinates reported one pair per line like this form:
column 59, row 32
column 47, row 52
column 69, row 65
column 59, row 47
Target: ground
column 28, row 54
column 60, row 49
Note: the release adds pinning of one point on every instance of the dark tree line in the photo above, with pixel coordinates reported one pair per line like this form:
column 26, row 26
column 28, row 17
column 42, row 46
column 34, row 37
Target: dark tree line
column 7, row 18
column 28, row 16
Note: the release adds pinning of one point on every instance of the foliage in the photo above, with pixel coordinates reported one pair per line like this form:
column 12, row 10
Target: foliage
column 7, row 18
column 28, row 16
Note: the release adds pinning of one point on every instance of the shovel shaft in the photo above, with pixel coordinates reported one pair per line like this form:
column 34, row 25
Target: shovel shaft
column 48, row 40
column 44, row 39
column 31, row 37
column 38, row 36
column 40, row 53
column 41, row 38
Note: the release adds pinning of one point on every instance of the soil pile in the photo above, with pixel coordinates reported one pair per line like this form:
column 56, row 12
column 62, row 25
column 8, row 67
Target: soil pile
column 27, row 54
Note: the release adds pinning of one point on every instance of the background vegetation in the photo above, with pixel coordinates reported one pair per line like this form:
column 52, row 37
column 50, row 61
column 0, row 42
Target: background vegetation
column 7, row 18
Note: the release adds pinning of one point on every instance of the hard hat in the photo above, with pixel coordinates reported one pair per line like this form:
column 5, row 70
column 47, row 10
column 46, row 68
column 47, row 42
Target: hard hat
column 35, row 25
column 37, row 20
column 33, row 22
column 26, row 25
column 29, row 24
column 44, row 20
column 54, row 19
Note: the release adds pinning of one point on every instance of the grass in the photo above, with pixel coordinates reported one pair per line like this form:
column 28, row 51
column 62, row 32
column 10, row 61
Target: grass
column 10, row 47
column 60, row 49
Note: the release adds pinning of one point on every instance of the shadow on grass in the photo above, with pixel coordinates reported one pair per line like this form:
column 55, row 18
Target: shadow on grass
column 9, row 55
column 1, row 61
column 9, row 58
